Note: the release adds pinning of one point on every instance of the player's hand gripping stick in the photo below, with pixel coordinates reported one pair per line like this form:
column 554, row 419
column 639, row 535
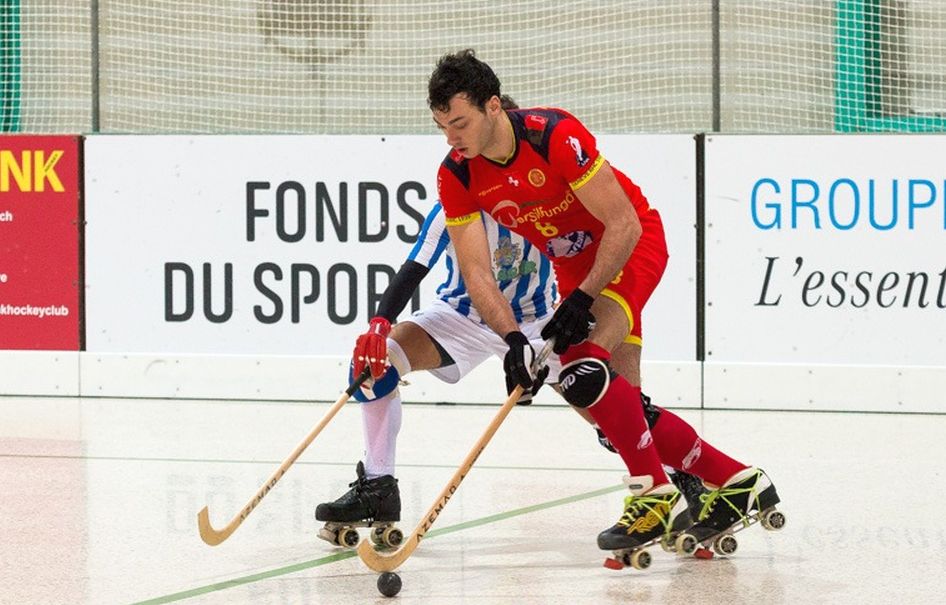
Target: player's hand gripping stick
column 371, row 348
column 572, row 322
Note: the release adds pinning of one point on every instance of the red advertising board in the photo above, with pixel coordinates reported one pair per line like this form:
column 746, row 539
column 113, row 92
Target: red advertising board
column 39, row 243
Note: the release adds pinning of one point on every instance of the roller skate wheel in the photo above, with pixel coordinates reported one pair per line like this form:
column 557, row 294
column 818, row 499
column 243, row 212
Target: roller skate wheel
column 725, row 545
column 392, row 537
column 773, row 520
column 686, row 544
column 348, row 537
column 375, row 536
column 640, row 559
column 612, row 563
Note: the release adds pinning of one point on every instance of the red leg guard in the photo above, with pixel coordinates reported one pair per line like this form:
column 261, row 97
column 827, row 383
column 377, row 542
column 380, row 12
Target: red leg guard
column 680, row 447
column 620, row 416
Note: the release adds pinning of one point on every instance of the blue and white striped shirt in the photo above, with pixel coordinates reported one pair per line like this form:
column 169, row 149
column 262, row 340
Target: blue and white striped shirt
column 524, row 275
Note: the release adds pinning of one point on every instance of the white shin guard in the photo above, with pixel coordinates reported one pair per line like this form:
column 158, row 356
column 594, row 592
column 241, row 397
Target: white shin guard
column 381, row 422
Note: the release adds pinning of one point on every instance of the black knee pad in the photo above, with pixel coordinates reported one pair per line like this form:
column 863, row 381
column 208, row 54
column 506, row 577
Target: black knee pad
column 651, row 412
column 584, row 381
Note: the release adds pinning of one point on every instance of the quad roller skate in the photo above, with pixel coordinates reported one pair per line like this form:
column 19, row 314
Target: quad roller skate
column 747, row 498
column 373, row 503
column 692, row 489
column 650, row 517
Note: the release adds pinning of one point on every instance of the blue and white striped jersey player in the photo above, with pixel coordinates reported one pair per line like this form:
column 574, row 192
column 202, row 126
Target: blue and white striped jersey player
column 448, row 339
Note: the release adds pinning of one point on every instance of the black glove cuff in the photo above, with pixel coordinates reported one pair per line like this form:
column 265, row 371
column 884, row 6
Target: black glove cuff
column 516, row 339
column 581, row 298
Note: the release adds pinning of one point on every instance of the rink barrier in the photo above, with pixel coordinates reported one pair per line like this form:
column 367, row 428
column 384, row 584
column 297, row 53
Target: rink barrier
column 817, row 260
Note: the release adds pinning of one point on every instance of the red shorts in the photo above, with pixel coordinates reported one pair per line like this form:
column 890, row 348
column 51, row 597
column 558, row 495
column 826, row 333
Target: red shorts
column 638, row 279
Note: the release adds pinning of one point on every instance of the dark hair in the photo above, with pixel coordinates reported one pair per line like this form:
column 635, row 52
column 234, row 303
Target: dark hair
column 507, row 102
column 461, row 73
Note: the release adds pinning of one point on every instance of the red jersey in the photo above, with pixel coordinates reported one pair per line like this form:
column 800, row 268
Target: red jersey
column 532, row 193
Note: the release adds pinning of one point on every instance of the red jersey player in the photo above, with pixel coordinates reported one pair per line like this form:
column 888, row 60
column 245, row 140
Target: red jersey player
column 539, row 173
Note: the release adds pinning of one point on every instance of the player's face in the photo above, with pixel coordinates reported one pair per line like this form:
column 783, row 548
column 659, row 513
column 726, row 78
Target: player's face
column 469, row 129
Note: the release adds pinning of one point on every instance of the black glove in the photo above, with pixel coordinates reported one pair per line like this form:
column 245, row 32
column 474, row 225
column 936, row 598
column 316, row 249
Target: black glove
column 528, row 394
column 518, row 364
column 572, row 321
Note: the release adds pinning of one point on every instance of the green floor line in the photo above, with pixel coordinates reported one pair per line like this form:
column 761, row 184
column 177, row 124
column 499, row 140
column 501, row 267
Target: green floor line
column 281, row 571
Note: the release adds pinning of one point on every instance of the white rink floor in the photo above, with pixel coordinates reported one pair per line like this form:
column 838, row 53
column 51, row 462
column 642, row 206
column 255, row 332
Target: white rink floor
column 100, row 500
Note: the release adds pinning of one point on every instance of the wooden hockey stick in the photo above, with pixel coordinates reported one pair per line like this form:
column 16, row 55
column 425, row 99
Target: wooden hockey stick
column 213, row 536
column 381, row 561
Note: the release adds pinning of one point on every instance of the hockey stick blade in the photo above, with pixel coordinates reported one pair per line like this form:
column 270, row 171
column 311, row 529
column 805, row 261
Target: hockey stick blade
column 389, row 561
column 212, row 536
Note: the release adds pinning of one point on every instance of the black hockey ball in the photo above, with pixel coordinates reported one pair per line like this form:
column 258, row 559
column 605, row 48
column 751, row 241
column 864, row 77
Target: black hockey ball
column 389, row 583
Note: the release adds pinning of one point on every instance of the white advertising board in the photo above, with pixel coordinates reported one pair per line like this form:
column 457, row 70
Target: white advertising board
column 826, row 250
column 282, row 245
column 247, row 245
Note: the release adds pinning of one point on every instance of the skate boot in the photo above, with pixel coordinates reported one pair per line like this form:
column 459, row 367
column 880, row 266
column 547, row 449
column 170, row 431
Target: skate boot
column 692, row 489
column 747, row 498
column 374, row 503
column 650, row 516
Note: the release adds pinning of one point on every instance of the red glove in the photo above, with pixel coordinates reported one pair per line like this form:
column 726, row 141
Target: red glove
column 371, row 348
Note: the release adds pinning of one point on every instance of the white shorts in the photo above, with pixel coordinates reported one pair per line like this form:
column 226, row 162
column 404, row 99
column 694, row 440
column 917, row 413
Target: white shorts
column 470, row 343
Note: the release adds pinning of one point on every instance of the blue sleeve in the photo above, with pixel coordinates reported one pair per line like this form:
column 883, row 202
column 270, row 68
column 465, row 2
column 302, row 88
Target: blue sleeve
column 433, row 239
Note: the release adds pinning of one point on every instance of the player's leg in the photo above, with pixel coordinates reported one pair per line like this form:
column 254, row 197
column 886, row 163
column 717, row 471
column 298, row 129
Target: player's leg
column 410, row 349
column 374, row 498
column 655, row 506
column 625, row 360
column 588, row 381
column 677, row 442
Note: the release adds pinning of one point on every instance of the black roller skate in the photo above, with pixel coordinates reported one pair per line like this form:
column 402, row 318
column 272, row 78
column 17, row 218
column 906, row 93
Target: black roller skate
column 650, row 516
column 692, row 489
column 374, row 503
column 747, row 498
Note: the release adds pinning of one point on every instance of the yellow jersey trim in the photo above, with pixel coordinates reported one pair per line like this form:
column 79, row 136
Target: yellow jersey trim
column 595, row 167
column 630, row 338
column 463, row 220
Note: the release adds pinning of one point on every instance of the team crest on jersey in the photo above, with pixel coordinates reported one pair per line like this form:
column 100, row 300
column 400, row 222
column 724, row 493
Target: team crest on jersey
column 569, row 244
column 507, row 257
column 581, row 158
column 505, row 213
column 536, row 177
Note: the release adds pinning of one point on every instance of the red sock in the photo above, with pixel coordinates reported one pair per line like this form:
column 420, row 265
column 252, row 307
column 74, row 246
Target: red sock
column 681, row 448
column 620, row 416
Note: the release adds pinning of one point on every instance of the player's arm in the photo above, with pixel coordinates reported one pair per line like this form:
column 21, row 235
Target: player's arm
column 371, row 347
column 604, row 198
column 574, row 152
column 402, row 287
column 472, row 249
column 471, row 245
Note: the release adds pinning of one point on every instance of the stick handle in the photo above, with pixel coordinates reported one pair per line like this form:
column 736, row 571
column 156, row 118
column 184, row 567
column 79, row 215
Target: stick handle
column 477, row 449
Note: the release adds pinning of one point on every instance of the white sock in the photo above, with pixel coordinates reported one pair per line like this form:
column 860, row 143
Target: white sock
column 381, row 421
